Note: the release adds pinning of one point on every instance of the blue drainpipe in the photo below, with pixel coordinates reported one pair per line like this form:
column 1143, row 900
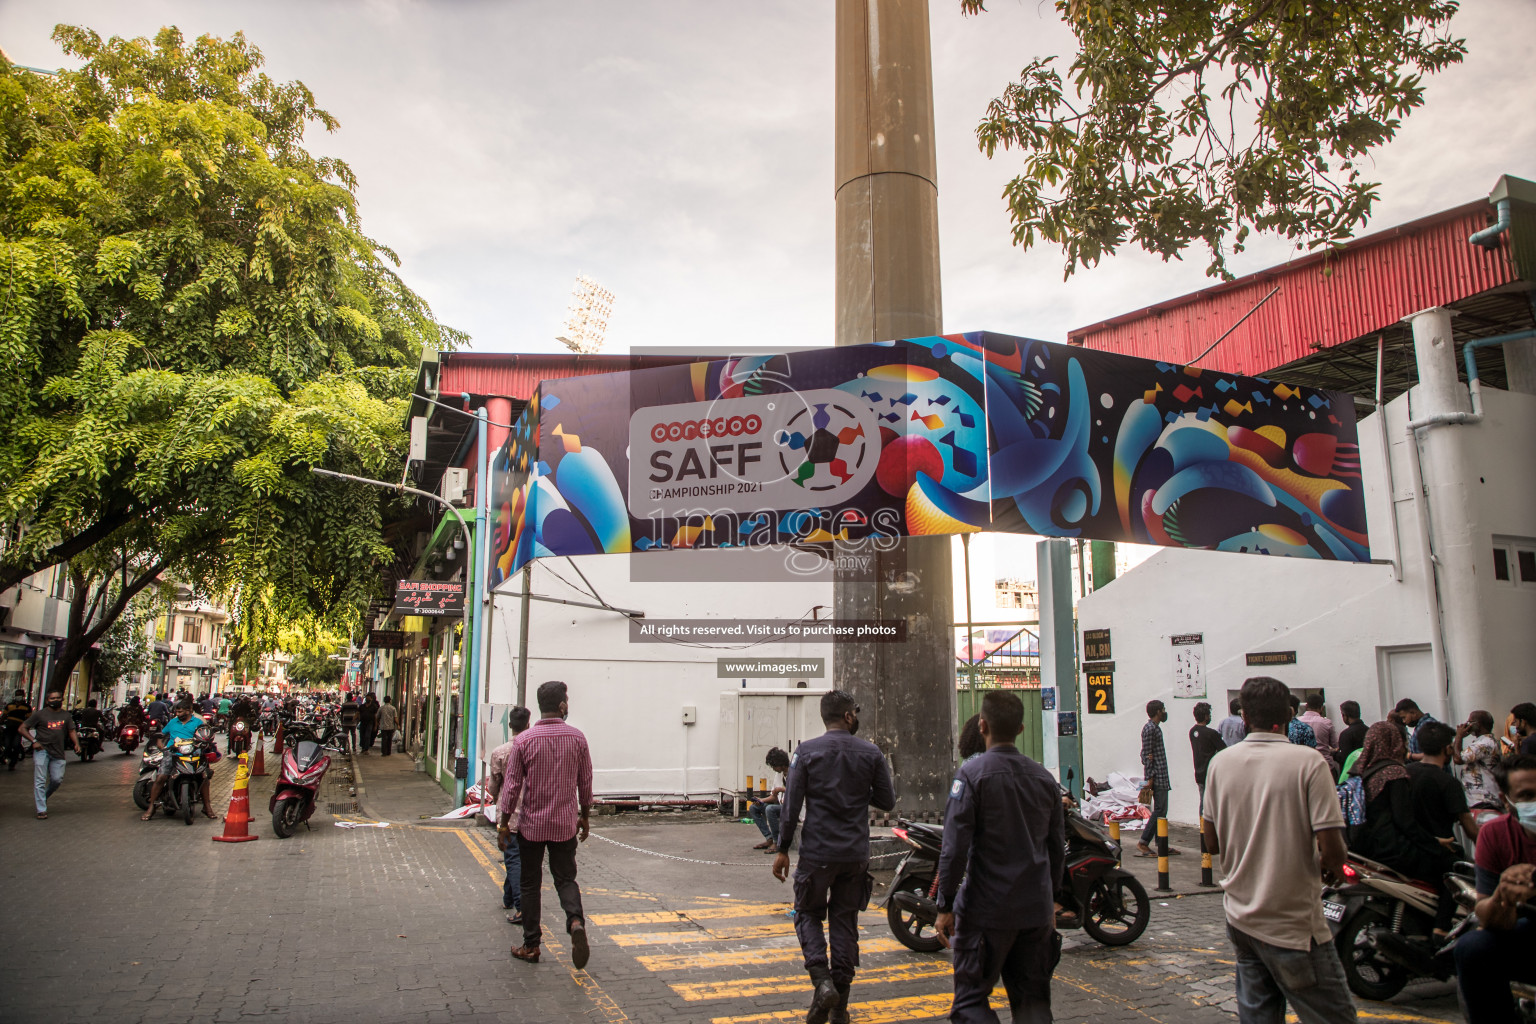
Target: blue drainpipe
column 1489, row 236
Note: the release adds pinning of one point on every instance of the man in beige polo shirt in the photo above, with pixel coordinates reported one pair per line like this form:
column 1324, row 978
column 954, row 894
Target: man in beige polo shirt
column 1272, row 815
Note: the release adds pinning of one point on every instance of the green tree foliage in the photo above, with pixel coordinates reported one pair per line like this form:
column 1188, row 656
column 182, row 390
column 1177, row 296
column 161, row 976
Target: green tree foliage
column 125, row 648
column 315, row 670
column 1203, row 120
column 190, row 317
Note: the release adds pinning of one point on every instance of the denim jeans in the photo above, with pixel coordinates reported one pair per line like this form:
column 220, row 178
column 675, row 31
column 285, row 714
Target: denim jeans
column 766, row 818
column 1159, row 810
column 512, row 887
column 47, row 776
column 1486, row 962
column 1270, row 976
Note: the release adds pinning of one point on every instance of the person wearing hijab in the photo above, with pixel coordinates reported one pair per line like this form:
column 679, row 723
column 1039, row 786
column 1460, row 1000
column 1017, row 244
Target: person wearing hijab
column 1392, row 834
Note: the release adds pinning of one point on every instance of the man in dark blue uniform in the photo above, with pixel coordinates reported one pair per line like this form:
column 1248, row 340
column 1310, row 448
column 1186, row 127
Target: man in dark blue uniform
column 1004, row 834
column 836, row 777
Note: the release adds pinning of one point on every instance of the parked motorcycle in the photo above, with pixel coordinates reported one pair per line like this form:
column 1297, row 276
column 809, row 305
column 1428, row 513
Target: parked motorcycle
column 128, row 737
column 1098, row 895
column 11, row 738
column 298, row 783
column 1383, row 925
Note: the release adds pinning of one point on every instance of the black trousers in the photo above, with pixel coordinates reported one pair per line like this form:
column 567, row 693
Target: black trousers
column 1023, row 960
column 369, row 732
column 387, row 737
column 832, row 893
column 562, row 867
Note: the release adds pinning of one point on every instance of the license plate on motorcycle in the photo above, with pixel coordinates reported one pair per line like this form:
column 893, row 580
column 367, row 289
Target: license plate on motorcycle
column 1333, row 911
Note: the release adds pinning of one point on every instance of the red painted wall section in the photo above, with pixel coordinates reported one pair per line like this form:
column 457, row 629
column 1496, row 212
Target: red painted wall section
column 1324, row 300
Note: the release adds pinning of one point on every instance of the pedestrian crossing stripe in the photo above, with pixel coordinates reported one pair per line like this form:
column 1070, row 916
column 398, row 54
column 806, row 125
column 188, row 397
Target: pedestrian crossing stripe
column 756, row 931
column 706, row 913
column 877, row 1011
column 737, row 957
column 746, row 988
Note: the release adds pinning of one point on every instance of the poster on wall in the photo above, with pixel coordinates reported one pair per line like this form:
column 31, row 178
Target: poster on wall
column 1101, row 692
column 1188, row 664
column 938, row 435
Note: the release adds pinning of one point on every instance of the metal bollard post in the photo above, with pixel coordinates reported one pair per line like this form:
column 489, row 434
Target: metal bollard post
column 1162, row 856
column 1114, row 833
column 1205, row 862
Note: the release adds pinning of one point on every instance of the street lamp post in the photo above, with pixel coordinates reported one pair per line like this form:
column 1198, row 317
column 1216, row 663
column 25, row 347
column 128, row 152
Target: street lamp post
column 464, row 649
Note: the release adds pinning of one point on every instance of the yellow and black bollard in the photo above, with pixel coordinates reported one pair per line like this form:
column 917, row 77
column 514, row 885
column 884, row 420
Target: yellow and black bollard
column 1162, row 856
column 1114, row 833
column 1205, row 863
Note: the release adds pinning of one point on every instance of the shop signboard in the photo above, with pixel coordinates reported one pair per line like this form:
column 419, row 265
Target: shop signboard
column 430, row 597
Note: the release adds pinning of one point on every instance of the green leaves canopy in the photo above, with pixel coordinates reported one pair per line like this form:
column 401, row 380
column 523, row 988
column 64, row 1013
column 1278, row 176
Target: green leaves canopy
column 190, row 316
column 1204, row 120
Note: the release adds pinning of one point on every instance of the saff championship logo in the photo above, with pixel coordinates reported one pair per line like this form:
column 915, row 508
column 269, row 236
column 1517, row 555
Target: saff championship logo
column 788, row 450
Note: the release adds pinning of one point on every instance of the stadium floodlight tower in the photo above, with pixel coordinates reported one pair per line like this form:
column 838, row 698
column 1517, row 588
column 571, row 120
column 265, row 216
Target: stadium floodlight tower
column 587, row 318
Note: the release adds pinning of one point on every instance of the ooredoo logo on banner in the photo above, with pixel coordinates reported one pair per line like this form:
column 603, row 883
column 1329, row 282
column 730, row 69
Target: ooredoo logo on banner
column 789, row 450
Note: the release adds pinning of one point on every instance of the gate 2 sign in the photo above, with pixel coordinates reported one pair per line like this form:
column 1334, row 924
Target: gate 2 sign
column 944, row 434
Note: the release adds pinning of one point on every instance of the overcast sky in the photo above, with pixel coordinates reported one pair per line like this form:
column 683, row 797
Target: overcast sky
column 681, row 154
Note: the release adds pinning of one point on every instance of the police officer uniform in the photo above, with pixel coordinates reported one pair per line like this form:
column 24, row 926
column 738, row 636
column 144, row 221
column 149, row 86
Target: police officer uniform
column 1004, row 834
column 835, row 777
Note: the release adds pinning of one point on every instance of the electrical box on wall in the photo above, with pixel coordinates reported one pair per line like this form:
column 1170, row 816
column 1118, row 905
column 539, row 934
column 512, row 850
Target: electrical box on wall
column 690, row 714
column 754, row 721
column 455, row 486
column 418, row 451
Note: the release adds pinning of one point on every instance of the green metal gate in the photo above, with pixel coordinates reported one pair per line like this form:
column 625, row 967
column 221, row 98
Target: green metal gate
column 968, row 703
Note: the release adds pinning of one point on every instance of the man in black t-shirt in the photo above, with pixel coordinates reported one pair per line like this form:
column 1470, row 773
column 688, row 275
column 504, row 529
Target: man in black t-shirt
column 1439, row 802
column 49, row 729
column 1205, row 742
column 1352, row 736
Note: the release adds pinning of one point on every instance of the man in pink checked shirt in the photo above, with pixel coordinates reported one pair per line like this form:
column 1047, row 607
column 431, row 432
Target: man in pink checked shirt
column 549, row 789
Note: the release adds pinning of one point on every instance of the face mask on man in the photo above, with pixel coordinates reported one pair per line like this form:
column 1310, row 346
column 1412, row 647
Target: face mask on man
column 55, row 702
column 1525, row 813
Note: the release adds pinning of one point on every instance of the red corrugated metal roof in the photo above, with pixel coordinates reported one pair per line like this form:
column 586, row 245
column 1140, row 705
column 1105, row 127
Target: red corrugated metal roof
column 1324, row 300
column 515, row 375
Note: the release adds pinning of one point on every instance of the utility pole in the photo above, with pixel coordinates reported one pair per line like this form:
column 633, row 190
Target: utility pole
column 888, row 288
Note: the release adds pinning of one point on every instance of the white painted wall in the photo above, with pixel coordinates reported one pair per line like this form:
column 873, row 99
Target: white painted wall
column 629, row 697
column 1359, row 630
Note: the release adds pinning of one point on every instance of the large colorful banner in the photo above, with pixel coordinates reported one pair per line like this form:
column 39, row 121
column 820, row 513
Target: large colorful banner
column 934, row 435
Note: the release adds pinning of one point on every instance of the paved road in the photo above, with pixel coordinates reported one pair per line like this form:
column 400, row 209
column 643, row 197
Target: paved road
column 134, row 921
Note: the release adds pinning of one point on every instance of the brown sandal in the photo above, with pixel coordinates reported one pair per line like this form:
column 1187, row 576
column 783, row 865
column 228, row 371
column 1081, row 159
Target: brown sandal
column 527, row 954
column 147, row 814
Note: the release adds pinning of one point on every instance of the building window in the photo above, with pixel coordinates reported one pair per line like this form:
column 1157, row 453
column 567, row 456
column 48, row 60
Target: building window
column 1514, row 561
column 191, row 630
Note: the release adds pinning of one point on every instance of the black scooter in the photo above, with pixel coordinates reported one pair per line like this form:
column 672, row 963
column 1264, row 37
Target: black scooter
column 1097, row 894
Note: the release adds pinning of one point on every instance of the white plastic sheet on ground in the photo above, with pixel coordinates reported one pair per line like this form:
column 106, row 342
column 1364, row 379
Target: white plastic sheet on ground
column 1118, row 802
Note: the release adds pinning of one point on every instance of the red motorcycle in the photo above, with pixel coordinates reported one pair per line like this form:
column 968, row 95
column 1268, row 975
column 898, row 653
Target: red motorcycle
column 298, row 784
column 239, row 737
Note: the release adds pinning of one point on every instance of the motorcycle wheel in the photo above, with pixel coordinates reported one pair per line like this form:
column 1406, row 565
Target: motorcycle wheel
column 1368, row 975
column 285, row 817
column 186, row 802
column 909, row 931
column 1110, row 917
column 141, row 792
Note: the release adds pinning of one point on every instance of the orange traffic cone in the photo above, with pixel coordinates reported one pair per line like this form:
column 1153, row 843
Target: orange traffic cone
column 260, row 767
column 277, row 747
column 237, row 821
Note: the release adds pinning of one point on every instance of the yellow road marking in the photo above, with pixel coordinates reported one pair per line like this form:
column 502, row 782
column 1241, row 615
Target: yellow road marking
column 736, row 957
column 757, row 931
column 878, row 1011
column 1407, row 1018
column 748, row 987
column 706, row 913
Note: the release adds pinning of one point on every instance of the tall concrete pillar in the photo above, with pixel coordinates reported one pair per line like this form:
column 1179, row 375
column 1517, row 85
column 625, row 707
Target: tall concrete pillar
column 888, row 288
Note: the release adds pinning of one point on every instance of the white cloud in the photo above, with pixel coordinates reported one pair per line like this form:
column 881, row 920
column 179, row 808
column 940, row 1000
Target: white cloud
column 681, row 153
